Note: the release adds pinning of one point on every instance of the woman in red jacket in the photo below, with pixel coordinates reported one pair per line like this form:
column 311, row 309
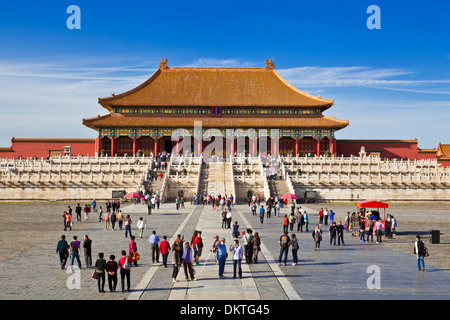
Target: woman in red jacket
column 164, row 249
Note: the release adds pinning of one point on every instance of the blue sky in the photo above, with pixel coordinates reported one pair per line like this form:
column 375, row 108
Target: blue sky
column 391, row 83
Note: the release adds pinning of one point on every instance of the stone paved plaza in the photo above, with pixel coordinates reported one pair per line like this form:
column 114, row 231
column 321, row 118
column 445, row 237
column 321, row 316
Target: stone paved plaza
column 332, row 273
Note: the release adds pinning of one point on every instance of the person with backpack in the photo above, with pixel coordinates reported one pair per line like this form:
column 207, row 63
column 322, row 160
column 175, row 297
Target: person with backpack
column 125, row 269
column 284, row 243
column 177, row 249
column 127, row 223
column 75, row 251
column 421, row 251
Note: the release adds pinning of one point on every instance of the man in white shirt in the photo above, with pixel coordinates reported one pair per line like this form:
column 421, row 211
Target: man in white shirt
column 237, row 257
column 229, row 215
column 325, row 216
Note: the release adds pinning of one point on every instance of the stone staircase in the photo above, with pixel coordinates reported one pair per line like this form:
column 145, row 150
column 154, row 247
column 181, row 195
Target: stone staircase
column 278, row 187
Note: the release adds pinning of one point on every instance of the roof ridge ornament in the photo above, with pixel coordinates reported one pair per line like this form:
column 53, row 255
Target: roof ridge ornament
column 269, row 64
column 163, row 64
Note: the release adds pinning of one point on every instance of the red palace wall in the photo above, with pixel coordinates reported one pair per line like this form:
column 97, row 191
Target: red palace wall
column 406, row 149
column 27, row 148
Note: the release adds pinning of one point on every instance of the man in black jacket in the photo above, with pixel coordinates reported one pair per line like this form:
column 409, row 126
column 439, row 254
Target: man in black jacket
column 419, row 250
column 78, row 211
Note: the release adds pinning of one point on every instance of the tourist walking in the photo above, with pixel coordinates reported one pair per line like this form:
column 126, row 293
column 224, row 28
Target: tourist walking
column 198, row 247
column 132, row 250
column 62, row 249
column 235, row 231
column 75, row 251
column 120, row 219
column 113, row 219
column 325, row 216
column 78, row 212
column 369, row 229
column 378, row 231
column 86, row 211
column 284, row 243
column 106, row 218
column 100, row 214
column 229, row 217
column 256, row 247
column 362, row 229
column 177, row 250
column 340, row 233
column 317, row 236
column 111, row 270
column 87, row 247
column 154, row 241
column 237, row 251
column 221, row 257
column 125, row 270
column 127, row 223
column 333, row 233
column 187, row 261
column 285, row 223
column 321, row 216
column 164, row 249
column 67, row 221
column 261, row 214
column 141, row 225
column 248, row 246
column 420, row 250
column 294, row 248
column 100, row 267
column 306, row 219
column 291, row 222
column 331, row 215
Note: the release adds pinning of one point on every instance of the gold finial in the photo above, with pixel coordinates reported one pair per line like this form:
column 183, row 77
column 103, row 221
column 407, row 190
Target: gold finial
column 269, row 64
column 163, row 64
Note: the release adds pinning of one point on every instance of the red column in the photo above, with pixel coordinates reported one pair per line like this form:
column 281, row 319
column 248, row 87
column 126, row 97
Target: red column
column 232, row 146
column 199, row 147
column 332, row 146
column 318, row 146
column 156, row 148
column 98, row 145
column 113, row 146
column 296, row 146
column 134, row 146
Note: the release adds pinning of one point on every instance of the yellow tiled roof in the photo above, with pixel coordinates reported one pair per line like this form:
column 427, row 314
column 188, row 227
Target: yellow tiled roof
column 221, row 87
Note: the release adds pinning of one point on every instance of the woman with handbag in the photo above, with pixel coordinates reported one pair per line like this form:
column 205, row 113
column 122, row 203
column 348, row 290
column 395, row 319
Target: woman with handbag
column 100, row 267
column 317, row 236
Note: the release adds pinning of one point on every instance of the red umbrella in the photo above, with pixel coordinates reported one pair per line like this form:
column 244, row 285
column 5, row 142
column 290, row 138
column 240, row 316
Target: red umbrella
column 133, row 195
column 289, row 196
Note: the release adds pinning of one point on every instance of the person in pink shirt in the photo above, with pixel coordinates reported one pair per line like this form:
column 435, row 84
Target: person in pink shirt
column 132, row 249
column 164, row 249
column 125, row 269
